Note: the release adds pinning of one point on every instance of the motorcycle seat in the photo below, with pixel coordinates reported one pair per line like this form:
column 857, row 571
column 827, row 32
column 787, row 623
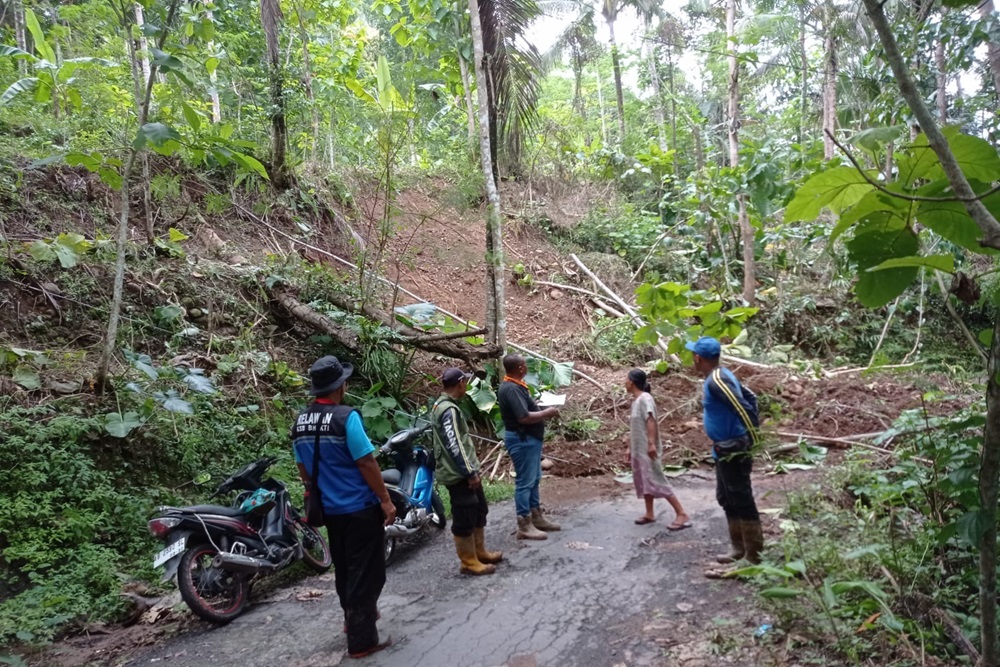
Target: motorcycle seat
column 392, row 476
column 213, row 509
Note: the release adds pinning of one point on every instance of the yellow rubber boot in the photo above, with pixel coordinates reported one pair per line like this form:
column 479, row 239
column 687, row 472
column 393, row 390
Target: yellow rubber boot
column 466, row 548
column 484, row 556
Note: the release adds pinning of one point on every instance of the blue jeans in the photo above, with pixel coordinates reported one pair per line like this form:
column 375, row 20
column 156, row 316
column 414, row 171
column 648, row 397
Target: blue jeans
column 526, row 453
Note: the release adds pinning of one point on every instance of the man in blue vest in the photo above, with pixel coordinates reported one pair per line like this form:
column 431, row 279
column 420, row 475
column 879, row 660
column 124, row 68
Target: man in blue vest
column 729, row 416
column 337, row 460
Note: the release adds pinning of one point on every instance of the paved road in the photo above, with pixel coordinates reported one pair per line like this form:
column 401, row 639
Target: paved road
column 601, row 592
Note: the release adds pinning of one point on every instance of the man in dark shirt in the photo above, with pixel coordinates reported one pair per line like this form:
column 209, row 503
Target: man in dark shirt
column 524, row 430
column 729, row 424
column 337, row 460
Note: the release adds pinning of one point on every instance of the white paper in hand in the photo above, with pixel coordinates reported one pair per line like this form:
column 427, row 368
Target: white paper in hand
column 549, row 400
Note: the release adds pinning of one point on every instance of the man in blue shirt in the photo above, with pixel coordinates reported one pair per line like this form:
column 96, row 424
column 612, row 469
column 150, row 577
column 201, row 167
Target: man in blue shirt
column 337, row 461
column 730, row 416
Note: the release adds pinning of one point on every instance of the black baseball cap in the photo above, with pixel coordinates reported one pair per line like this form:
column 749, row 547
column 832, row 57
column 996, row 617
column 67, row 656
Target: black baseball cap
column 453, row 376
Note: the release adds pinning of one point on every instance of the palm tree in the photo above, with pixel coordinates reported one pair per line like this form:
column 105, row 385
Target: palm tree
column 610, row 10
column 579, row 42
column 513, row 68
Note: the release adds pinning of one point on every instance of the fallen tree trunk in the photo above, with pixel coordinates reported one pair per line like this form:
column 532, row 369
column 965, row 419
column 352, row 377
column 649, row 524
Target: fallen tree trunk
column 454, row 349
column 343, row 335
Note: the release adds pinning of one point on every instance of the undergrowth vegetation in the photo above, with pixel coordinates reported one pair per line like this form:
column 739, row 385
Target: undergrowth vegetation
column 879, row 558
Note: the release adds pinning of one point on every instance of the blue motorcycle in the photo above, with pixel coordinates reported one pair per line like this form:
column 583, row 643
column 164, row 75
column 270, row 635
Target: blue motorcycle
column 410, row 483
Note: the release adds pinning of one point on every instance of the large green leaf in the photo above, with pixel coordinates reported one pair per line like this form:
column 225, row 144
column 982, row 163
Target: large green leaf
column 562, row 374
column 43, row 48
column 977, row 158
column 120, row 425
column 157, row 135
column 872, row 139
column 870, row 249
column 876, row 207
column 917, row 160
column 25, row 85
column 971, row 526
column 836, row 189
column 27, row 377
column 944, row 263
column 781, row 592
column 14, row 52
column 950, row 220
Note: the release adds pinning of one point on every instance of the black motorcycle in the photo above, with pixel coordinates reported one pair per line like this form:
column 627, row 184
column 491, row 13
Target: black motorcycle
column 217, row 551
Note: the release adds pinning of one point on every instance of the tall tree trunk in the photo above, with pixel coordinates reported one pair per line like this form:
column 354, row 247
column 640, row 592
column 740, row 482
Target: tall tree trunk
column 989, row 479
column 121, row 243
column 804, row 84
column 616, row 65
column 270, row 15
column 699, row 148
column 989, row 468
column 993, row 49
column 308, row 80
column 139, row 59
column 746, row 230
column 600, row 104
column 470, row 109
column 140, row 21
column 654, row 79
column 496, row 319
column 941, row 95
column 829, row 94
column 673, row 115
column 20, row 35
column 213, row 77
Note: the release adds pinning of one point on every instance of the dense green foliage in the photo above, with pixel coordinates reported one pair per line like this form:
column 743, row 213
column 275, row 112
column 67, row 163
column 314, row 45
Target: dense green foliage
column 377, row 96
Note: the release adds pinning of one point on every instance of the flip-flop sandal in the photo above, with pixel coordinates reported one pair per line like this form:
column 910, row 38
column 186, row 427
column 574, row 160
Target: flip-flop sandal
column 643, row 520
column 679, row 526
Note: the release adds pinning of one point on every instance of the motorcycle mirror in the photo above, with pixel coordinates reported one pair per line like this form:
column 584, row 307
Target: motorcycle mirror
column 203, row 478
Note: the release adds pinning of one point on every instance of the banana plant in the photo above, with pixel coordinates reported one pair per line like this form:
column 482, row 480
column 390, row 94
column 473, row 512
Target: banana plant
column 53, row 80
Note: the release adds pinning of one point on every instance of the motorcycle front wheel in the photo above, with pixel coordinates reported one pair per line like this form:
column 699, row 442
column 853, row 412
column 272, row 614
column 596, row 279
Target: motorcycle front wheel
column 315, row 550
column 439, row 520
column 390, row 548
column 214, row 594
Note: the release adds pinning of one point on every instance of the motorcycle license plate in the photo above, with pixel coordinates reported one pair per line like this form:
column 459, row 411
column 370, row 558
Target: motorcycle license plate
column 168, row 553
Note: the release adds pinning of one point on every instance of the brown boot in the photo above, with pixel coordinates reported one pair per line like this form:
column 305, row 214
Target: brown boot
column 541, row 523
column 527, row 531
column 736, row 537
column 484, row 556
column 466, row 548
column 753, row 539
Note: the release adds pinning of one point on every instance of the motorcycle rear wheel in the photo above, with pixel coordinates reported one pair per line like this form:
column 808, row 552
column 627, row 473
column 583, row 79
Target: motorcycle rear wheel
column 213, row 594
column 315, row 550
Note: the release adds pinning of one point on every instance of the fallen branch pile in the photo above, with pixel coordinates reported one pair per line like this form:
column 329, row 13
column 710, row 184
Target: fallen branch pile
column 444, row 344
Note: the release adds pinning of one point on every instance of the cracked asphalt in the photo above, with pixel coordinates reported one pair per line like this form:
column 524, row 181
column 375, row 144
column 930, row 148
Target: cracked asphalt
column 603, row 591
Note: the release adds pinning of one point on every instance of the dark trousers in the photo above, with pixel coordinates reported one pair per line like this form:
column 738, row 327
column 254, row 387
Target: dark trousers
column 468, row 508
column 357, row 542
column 732, row 484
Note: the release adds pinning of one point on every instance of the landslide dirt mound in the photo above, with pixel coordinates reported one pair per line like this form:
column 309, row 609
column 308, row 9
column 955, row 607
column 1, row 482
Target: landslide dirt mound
column 835, row 407
column 439, row 253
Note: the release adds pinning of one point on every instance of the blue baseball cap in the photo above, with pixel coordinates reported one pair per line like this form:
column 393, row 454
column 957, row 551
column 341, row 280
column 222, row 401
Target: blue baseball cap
column 706, row 347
